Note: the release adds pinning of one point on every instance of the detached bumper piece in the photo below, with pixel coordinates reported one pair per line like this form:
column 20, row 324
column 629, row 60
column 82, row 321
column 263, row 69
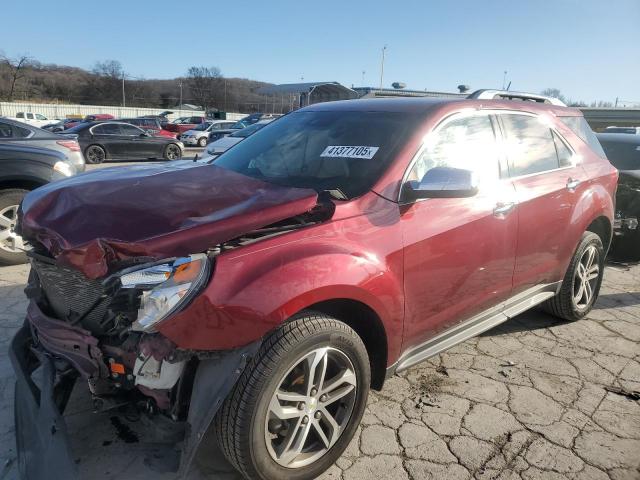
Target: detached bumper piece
column 621, row 225
column 41, row 435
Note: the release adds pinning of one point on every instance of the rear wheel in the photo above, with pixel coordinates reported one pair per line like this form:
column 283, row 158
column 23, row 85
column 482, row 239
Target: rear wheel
column 172, row 152
column 581, row 284
column 95, row 154
column 11, row 245
column 296, row 407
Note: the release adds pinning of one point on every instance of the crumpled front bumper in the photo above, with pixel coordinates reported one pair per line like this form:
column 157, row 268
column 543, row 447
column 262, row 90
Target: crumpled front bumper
column 42, row 441
column 41, row 435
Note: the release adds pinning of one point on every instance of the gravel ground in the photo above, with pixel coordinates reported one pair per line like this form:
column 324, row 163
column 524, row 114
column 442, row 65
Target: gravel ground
column 527, row 400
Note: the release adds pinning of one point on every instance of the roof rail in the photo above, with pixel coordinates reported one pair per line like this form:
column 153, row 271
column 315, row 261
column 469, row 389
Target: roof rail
column 488, row 94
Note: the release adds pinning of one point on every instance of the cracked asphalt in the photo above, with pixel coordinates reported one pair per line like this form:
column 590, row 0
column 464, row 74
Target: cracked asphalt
column 534, row 398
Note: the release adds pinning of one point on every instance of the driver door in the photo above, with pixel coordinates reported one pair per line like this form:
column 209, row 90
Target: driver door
column 459, row 253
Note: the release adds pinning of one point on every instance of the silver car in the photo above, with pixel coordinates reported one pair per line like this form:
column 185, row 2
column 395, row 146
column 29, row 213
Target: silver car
column 18, row 133
column 199, row 136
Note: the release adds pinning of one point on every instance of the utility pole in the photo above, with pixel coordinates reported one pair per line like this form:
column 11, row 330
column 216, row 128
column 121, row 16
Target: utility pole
column 124, row 102
column 384, row 49
column 504, row 79
column 180, row 104
column 363, row 72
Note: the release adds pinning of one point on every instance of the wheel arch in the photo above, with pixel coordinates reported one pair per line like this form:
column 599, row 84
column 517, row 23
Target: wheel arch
column 602, row 227
column 369, row 327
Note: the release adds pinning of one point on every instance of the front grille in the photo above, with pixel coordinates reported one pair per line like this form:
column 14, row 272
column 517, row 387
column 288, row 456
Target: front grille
column 74, row 297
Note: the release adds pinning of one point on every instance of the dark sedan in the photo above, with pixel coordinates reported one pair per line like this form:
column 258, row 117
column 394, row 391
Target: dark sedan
column 623, row 151
column 110, row 140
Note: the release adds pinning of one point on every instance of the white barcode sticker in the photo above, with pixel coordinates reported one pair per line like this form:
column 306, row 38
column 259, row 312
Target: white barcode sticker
column 349, row 151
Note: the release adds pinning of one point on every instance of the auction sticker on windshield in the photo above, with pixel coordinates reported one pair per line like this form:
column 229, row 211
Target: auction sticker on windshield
column 349, row 151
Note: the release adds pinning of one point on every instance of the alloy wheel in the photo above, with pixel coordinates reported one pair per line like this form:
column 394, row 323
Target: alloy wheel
column 585, row 278
column 9, row 240
column 173, row 152
column 95, row 155
column 310, row 407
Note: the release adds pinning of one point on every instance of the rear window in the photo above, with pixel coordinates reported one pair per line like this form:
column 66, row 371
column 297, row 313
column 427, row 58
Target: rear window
column 13, row 131
column 530, row 145
column 581, row 128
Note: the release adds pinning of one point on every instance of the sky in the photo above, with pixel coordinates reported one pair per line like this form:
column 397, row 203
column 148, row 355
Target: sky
column 589, row 49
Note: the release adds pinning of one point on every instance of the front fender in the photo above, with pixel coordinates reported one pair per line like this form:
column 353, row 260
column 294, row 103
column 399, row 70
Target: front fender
column 242, row 304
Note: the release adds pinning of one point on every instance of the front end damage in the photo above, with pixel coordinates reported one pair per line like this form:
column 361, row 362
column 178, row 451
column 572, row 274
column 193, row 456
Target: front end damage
column 121, row 368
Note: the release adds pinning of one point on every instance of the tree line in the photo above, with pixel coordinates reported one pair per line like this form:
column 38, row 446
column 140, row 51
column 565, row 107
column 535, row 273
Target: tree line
column 26, row 79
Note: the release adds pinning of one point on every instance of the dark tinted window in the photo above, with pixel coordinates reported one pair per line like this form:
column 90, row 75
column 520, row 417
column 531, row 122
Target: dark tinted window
column 467, row 143
column 582, row 129
column 13, row 131
column 530, row 146
column 323, row 150
column 130, row 130
column 107, row 129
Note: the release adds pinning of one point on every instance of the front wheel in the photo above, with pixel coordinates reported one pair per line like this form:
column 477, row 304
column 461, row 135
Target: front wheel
column 581, row 284
column 11, row 245
column 202, row 142
column 172, row 152
column 297, row 405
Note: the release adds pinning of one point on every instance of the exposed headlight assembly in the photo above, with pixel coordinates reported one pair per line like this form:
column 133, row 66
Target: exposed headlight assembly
column 166, row 288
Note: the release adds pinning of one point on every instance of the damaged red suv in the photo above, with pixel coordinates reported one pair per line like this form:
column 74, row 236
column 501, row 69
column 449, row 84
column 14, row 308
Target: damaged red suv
column 262, row 295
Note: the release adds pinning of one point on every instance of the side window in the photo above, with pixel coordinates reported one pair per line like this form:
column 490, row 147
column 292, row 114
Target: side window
column 107, row 129
column 529, row 145
column 30, row 116
column 582, row 129
column 20, row 115
column 40, row 117
column 5, row 130
column 130, row 130
column 564, row 154
column 468, row 143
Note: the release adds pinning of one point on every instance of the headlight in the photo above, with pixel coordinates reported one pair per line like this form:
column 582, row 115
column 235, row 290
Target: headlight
column 166, row 288
column 64, row 168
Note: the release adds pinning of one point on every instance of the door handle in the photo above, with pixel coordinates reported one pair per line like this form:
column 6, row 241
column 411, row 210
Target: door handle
column 503, row 208
column 572, row 184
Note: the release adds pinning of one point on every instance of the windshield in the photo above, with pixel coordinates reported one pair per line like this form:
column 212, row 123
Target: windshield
column 245, row 132
column 347, row 151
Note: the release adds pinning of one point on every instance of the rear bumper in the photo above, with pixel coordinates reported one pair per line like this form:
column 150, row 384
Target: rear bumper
column 41, row 435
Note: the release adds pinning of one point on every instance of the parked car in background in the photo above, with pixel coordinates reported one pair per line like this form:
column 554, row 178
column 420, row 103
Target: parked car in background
column 35, row 119
column 59, row 125
column 223, row 144
column 182, row 124
column 24, row 168
column 623, row 151
column 89, row 118
column 261, row 296
column 199, row 136
column 162, row 117
column 112, row 140
column 151, row 125
column 256, row 117
column 18, row 133
column 631, row 130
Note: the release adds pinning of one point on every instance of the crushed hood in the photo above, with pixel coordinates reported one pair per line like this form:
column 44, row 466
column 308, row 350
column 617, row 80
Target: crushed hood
column 93, row 220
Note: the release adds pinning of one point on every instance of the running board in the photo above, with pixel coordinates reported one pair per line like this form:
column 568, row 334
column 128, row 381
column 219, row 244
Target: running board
column 475, row 326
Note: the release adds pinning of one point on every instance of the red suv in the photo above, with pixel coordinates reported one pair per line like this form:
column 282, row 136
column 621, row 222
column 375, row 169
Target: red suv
column 261, row 296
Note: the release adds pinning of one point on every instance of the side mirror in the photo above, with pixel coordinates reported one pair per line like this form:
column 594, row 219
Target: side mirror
column 441, row 182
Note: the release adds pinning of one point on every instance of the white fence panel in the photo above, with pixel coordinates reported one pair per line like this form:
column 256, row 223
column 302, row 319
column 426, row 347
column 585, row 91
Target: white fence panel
column 59, row 111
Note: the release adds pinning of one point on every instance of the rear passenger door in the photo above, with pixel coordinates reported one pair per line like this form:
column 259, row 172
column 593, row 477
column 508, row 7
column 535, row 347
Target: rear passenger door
column 547, row 182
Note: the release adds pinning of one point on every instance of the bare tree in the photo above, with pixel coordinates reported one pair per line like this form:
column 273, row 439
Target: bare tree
column 205, row 85
column 106, row 81
column 16, row 67
column 555, row 93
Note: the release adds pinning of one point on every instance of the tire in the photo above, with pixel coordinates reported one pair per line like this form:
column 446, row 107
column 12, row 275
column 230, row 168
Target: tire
column 9, row 201
column 95, row 154
column 172, row 152
column 245, row 425
column 564, row 305
column 202, row 142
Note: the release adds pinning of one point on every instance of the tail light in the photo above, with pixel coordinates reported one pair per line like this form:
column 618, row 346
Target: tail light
column 70, row 144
